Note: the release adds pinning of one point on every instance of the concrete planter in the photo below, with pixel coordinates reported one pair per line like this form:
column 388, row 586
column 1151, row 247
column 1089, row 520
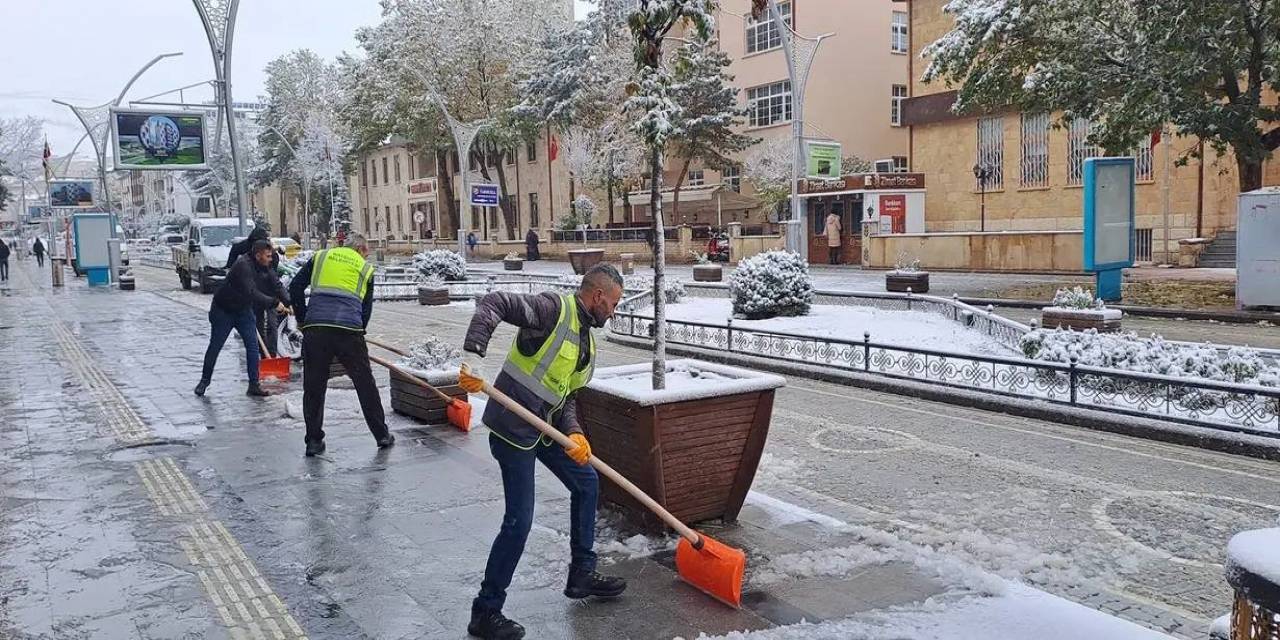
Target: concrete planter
column 1104, row 320
column 583, row 259
column 411, row 400
column 903, row 281
column 707, row 273
column 513, row 265
column 628, row 264
column 695, row 452
column 432, row 296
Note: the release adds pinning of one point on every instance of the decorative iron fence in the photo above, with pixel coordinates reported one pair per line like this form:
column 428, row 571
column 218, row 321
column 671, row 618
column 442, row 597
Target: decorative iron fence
column 1217, row 405
column 627, row 234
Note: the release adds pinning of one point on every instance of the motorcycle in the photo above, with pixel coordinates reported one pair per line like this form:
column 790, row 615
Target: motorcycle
column 718, row 248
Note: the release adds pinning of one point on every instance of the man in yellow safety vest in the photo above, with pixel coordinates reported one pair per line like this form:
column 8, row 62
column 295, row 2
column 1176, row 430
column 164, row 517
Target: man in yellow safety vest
column 553, row 357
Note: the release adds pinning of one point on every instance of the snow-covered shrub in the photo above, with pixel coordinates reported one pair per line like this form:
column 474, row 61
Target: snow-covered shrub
column 1075, row 298
column 1130, row 352
column 905, row 264
column 700, row 257
column 774, row 283
column 511, row 256
column 584, row 210
column 432, row 355
column 442, row 263
column 673, row 289
column 432, row 282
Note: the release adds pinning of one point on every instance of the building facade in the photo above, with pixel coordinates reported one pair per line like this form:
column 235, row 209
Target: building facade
column 1034, row 163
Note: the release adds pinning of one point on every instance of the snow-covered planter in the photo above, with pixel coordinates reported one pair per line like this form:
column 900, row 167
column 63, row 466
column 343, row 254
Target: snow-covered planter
column 432, row 291
column 770, row 284
column 1253, row 571
column 437, row 363
column 907, row 277
column 704, row 270
column 1077, row 309
column 694, row 446
column 512, row 262
column 583, row 259
column 441, row 263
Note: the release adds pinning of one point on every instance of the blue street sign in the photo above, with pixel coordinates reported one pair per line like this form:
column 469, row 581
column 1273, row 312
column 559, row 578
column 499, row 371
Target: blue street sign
column 484, row 195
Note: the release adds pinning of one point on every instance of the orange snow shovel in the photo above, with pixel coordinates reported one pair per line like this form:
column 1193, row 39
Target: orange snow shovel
column 269, row 367
column 711, row 566
column 457, row 410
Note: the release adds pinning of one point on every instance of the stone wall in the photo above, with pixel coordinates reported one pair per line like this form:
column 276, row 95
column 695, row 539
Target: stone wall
column 1045, row 251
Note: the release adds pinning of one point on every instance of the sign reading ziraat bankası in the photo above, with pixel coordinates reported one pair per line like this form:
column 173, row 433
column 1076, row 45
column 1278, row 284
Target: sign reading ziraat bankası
column 822, row 159
column 484, row 195
column 158, row 140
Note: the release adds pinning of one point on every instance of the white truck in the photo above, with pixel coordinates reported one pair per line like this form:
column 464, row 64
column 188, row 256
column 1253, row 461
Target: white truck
column 202, row 258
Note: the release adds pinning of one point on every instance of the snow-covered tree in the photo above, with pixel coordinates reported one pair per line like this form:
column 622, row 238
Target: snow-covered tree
column 709, row 112
column 1208, row 67
column 656, row 115
column 770, row 284
column 20, row 152
column 768, row 168
column 580, row 215
column 321, row 160
column 850, row 165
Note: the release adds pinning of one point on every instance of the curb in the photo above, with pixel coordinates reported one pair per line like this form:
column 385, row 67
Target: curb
column 1201, row 437
column 1236, row 317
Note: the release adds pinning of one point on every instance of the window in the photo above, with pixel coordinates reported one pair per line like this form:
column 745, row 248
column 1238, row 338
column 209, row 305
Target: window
column 412, row 173
column 397, row 168
column 399, row 219
column 895, row 106
column 364, row 175
column 386, row 175
column 533, row 210
column 511, row 156
column 1144, row 165
column 763, row 35
column 731, row 177
column 1078, row 149
column 531, row 150
column 1034, row 163
column 769, row 104
column 898, row 33
column 373, row 167
column 900, row 164
column 991, row 153
column 364, row 213
column 819, row 222
column 697, row 177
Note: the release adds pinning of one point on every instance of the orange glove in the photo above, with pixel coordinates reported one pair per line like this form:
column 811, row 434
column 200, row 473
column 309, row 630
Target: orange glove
column 469, row 379
column 581, row 453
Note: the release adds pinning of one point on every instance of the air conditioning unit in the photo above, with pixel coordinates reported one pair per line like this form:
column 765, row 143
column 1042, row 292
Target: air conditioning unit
column 884, row 166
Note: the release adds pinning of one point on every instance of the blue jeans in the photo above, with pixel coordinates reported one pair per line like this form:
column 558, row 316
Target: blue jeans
column 517, row 485
column 222, row 322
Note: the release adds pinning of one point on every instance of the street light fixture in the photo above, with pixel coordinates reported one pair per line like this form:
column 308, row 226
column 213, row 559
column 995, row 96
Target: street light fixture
column 983, row 172
column 219, row 20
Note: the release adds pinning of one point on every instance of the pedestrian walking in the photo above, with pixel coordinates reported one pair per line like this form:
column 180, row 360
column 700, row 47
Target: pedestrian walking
column 531, row 246
column 833, row 237
column 4, row 261
column 552, row 358
column 333, row 323
column 38, row 249
column 232, row 308
column 472, row 242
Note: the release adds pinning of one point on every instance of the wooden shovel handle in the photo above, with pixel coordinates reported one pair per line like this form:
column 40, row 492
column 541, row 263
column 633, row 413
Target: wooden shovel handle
column 561, row 439
column 383, row 345
column 412, row 378
column 261, row 345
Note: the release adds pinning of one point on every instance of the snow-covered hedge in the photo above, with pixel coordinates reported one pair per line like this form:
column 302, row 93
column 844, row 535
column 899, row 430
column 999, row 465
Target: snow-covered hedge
column 1075, row 298
column 441, row 263
column 432, row 354
column 770, row 284
column 674, row 289
column 1130, row 352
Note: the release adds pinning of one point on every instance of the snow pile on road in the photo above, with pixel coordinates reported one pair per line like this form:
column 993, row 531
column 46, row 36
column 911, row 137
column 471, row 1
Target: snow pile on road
column 434, row 360
column 441, row 263
column 1022, row 613
column 771, row 284
column 1128, row 351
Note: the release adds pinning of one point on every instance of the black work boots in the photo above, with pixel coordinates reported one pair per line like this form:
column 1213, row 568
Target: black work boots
column 589, row 583
column 490, row 624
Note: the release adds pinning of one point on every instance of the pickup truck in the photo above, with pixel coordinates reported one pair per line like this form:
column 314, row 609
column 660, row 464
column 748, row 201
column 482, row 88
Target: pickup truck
column 202, row 258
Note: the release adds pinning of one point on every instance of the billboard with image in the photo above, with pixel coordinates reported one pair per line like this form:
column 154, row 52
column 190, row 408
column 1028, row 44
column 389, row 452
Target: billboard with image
column 160, row 140
column 71, row 193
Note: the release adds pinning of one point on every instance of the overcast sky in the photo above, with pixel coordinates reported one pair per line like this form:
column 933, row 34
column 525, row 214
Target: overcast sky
column 83, row 51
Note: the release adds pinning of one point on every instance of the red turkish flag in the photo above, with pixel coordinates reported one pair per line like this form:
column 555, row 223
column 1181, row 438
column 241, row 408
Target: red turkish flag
column 553, row 148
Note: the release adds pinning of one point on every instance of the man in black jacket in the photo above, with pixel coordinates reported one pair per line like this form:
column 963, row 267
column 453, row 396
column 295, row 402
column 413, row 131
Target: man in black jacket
column 232, row 308
column 4, row 261
column 268, row 278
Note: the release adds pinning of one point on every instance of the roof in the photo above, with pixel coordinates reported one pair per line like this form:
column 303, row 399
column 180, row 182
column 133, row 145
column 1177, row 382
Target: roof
column 728, row 198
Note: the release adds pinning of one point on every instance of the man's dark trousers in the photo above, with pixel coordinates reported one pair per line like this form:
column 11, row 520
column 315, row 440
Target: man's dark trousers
column 222, row 322
column 517, row 484
column 4, row 269
column 40, row 259
column 320, row 347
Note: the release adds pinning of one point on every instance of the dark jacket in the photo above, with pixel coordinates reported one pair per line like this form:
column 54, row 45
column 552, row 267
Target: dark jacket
column 244, row 246
column 298, row 289
column 240, row 290
column 4, row 250
column 536, row 315
column 38, row 247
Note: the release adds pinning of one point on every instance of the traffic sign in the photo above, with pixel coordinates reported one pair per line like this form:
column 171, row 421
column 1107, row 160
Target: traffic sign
column 484, row 195
column 419, row 217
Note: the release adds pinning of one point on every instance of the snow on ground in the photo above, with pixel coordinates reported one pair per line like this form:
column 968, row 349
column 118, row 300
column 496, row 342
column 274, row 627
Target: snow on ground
column 1020, row 613
column 900, row 328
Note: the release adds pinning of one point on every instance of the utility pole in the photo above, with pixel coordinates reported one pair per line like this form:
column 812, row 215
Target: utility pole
column 219, row 20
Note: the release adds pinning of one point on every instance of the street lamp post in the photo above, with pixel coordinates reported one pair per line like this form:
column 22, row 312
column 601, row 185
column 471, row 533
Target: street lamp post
column 983, row 173
column 219, row 20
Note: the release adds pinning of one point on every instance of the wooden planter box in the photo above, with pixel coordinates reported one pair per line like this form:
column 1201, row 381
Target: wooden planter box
column 411, row 400
column 433, row 297
column 583, row 259
column 707, row 273
column 694, row 451
column 901, row 281
column 1104, row 320
column 513, row 265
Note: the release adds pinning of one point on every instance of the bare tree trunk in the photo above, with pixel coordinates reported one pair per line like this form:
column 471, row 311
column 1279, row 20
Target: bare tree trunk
column 446, row 184
column 675, row 194
column 659, row 272
column 508, row 212
column 610, row 189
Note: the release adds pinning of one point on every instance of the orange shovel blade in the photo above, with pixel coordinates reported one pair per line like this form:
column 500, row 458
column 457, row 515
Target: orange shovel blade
column 716, row 569
column 459, row 414
column 274, row 368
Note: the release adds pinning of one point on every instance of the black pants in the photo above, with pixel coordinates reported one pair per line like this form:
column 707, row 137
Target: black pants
column 4, row 269
column 834, row 254
column 320, row 346
column 40, row 259
column 268, row 322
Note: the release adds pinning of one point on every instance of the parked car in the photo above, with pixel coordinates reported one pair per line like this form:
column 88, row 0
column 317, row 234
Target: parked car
column 287, row 246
